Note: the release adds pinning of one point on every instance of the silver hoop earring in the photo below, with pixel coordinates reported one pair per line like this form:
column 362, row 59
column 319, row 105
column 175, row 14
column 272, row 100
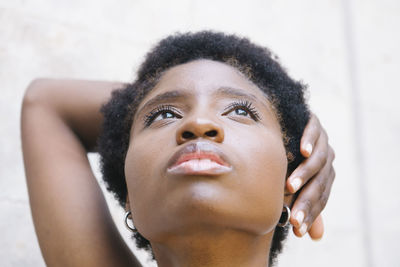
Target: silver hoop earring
column 285, row 217
column 132, row 228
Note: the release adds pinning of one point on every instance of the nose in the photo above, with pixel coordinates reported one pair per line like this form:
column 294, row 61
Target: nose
column 200, row 128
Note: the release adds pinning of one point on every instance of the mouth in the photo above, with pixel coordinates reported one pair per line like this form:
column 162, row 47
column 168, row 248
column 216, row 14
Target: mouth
column 199, row 158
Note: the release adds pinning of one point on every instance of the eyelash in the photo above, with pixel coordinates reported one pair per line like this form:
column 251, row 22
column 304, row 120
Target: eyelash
column 244, row 104
column 149, row 118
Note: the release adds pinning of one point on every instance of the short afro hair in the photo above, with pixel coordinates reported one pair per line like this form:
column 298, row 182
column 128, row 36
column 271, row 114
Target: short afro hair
column 256, row 62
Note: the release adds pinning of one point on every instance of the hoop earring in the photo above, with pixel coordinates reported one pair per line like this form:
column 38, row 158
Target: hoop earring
column 132, row 228
column 284, row 220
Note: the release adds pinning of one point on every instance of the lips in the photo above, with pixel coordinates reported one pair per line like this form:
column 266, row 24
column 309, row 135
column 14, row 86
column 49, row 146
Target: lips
column 199, row 158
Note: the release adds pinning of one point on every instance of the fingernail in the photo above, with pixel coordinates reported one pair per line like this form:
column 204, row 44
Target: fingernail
column 309, row 148
column 303, row 229
column 296, row 182
column 300, row 217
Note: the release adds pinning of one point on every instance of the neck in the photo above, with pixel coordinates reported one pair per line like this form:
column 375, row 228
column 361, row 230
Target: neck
column 220, row 247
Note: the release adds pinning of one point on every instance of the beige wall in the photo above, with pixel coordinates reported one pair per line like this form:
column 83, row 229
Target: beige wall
column 347, row 51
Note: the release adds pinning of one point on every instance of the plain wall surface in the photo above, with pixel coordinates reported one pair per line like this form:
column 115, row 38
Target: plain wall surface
column 346, row 51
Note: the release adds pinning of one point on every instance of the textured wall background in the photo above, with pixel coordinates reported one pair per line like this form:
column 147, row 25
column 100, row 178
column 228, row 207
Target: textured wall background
column 347, row 51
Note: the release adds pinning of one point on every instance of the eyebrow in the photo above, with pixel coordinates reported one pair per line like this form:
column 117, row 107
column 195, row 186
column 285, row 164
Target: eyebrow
column 240, row 93
column 234, row 92
column 164, row 97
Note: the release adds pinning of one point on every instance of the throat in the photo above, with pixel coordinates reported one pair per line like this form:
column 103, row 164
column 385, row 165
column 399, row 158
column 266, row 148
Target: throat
column 219, row 247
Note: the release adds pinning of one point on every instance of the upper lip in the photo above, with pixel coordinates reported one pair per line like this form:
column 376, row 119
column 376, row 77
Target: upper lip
column 199, row 150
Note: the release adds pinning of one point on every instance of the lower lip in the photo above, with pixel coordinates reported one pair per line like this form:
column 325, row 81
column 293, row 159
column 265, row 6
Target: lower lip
column 199, row 167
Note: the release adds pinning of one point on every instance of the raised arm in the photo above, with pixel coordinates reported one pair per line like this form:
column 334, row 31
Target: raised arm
column 60, row 122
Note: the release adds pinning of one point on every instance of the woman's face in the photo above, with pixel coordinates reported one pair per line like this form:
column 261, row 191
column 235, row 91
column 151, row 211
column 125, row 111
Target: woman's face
column 205, row 150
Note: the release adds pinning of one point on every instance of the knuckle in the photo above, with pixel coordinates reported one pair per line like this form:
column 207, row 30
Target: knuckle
column 321, row 186
column 325, row 135
column 306, row 170
column 322, row 157
column 323, row 200
column 332, row 151
column 333, row 174
column 307, row 205
column 314, row 213
column 315, row 128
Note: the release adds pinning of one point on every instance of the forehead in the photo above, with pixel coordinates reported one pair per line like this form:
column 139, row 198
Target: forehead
column 204, row 77
column 206, row 81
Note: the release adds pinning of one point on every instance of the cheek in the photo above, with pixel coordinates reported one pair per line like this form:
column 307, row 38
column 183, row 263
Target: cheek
column 144, row 160
column 146, row 181
column 139, row 178
column 263, row 163
column 134, row 162
column 260, row 151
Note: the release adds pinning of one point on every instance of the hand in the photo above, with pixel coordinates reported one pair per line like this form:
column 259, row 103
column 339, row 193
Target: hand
column 313, row 178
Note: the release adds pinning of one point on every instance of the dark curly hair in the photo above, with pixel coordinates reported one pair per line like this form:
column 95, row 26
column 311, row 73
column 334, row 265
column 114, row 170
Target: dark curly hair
column 257, row 63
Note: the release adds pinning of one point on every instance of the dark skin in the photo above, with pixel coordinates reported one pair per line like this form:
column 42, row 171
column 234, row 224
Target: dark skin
column 200, row 216
column 60, row 124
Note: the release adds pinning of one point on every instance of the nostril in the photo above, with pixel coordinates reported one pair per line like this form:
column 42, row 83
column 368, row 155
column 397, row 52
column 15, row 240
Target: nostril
column 187, row 135
column 212, row 133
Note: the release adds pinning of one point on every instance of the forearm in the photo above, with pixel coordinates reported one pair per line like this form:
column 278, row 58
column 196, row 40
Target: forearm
column 76, row 102
column 71, row 217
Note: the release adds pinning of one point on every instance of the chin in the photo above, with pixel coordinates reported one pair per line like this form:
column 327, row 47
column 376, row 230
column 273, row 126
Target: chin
column 209, row 204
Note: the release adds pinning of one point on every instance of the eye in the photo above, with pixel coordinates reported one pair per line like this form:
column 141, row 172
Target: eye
column 241, row 112
column 243, row 109
column 164, row 115
column 160, row 113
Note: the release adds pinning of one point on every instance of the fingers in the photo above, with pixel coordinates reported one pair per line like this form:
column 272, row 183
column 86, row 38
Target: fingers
column 311, row 166
column 314, row 176
column 313, row 198
column 316, row 230
column 310, row 136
